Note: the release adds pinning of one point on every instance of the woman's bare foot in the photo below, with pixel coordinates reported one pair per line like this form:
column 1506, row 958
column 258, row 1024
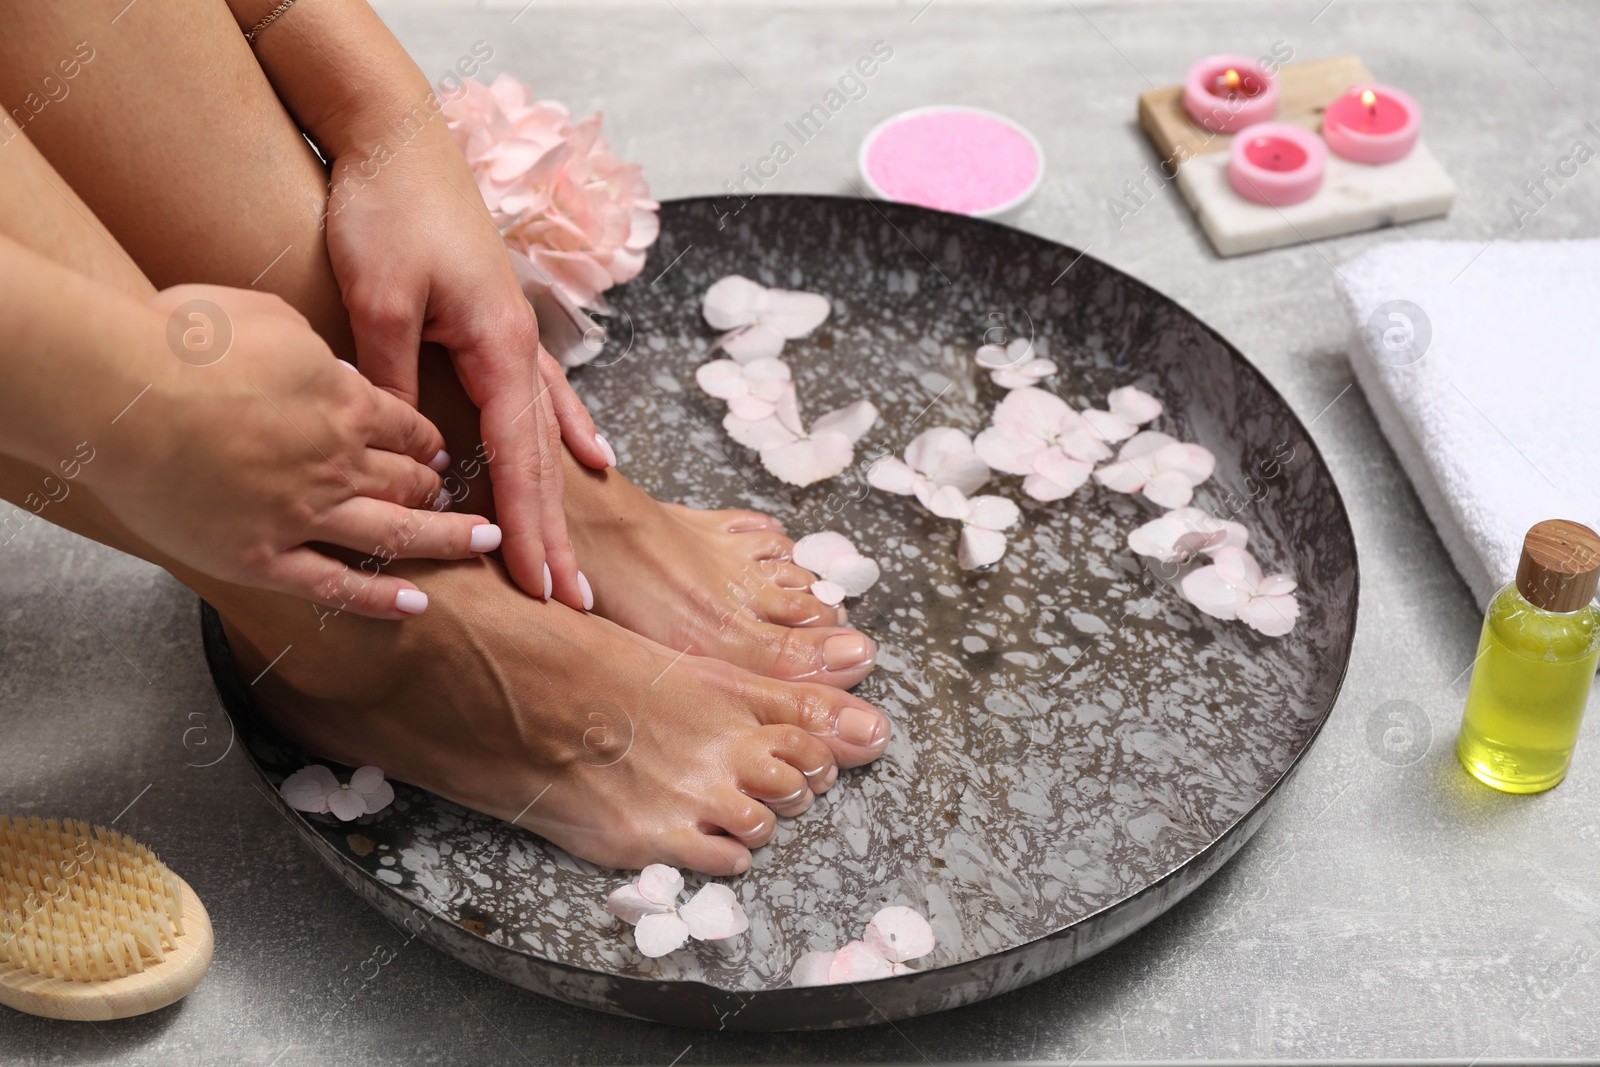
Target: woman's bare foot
column 610, row 745
column 717, row 583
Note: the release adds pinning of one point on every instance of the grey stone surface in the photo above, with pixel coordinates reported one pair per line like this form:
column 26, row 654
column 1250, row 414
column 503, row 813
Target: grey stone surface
column 1391, row 908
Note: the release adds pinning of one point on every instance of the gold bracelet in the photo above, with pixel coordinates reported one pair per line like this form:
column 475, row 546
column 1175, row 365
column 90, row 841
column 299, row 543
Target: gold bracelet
column 253, row 31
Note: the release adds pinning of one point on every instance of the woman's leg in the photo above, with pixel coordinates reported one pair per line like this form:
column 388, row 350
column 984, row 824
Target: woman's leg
column 212, row 182
column 617, row 748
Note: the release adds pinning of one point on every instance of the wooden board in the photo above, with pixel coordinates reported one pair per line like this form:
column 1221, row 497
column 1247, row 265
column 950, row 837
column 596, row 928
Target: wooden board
column 119, row 998
column 1354, row 196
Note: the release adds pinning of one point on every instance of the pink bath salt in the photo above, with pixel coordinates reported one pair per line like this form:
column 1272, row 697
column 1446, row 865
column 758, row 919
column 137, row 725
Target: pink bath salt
column 952, row 160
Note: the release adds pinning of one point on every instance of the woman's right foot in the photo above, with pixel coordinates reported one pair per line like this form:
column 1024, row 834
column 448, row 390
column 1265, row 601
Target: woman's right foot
column 609, row 745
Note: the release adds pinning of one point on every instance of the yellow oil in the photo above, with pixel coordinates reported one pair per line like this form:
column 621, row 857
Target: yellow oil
column 1530, row 685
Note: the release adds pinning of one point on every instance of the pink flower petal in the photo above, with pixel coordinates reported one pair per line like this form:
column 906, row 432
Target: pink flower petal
column 892, row 476
column 1158, row 538
column 793, row 314
column 993, row 512
column 852, row 420
column 1032, row 411
column 721, row 378
column 830, row 593
column 807, row 462
column 1211, row 593
column 630, row 905
column 1110, row 426
column 948, row 502
column 758, row 434
column 732, row 302
column 1086, row 445
column 930, row 448
column 1121, row 477
column 1276, row 585
column 1192, row 461
column 1135, row 405
column 346, row 804
column 1065, row 474
column 858, row 962
column 766, row 377
column 657, row 935
column 979, row 547
column 1145, row 443
column 751, row 343
column 1273, row 616
column 819, row 551
column 813, row 968
column 1170, row 489
column 751, row 408
column 899, row 934
column 660, row 883
column 714, row 913
column 368, row 783
column 308, row 788
column 856, row 574
column 1238, row 568
column 1007, row 451
column 994, row 357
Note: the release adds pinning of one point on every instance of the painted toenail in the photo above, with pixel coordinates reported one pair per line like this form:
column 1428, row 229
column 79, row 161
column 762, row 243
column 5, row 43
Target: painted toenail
column 549, row 584
column 792, row 797
column 827, row 783
column 605, row 446
column 440, row 462
column 411, row 601
column 813, row 774
column 861, row 727
column 485, row 537
column 585, row 592
column 843, row 651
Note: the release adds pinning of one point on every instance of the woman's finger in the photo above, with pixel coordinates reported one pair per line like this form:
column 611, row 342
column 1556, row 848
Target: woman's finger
column 386, row 322
column 398, row 479
column 307, row 573
column 399, row 427
column 388, row 531
column 570, row 585
column 577, row 428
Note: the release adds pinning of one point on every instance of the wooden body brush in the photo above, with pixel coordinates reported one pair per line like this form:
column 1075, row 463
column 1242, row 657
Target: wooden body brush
column 92, row 925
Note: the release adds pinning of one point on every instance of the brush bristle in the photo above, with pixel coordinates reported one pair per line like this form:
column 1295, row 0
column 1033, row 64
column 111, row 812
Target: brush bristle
column 82, row 904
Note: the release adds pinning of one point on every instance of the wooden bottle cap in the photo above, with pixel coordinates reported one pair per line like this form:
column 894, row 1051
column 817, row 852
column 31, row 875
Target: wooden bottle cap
column 1560, row 565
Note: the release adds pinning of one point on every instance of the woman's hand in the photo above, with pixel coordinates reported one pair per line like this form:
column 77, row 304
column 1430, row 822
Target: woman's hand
column 418, row 259
column 241, row 466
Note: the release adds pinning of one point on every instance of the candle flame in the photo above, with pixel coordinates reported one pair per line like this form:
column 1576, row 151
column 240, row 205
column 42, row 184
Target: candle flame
column 1231, row 79
column 1369, row 98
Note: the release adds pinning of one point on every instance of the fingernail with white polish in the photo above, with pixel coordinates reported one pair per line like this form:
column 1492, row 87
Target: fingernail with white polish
column 585, row 592
column 441, row 501
column 485, row 537
column 440, row 462
column 411, row 601
column 549, row 584
column 352, row 366
column 605, row 446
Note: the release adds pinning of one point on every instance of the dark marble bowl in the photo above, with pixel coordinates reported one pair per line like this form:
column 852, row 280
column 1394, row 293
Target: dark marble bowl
column 1077, row 748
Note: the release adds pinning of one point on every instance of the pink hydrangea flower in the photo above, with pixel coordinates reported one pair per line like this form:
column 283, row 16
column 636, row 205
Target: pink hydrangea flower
column 554, row 188
column 934, row 459
column 1039, row 435
column 984, row 520
column 753, row 390
column 1233, row 587
column 662, row 925
column 759, row 320
column 315, row 789
column 1165, row 469
column 895, row 936
column 1020, row 363
column 840, row 567
column 1182, row 532
column 799, row 456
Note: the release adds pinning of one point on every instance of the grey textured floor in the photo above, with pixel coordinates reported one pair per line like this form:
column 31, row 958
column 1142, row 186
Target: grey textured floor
column 1386, row 911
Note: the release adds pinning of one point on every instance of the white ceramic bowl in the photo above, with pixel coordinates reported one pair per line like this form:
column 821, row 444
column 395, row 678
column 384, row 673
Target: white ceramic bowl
column 1006, row 212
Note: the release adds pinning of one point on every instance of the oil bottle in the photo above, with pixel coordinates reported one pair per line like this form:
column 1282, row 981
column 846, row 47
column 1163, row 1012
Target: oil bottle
column 1536, row 663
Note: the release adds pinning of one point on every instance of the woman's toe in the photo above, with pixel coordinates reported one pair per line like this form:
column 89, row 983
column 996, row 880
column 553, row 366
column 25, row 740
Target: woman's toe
column 764, row 545
column 736, row 520
column 747, row 821
column 777, row 785
column 793, row 607
column 828, row 655
column 706, row 853
column 853, row 730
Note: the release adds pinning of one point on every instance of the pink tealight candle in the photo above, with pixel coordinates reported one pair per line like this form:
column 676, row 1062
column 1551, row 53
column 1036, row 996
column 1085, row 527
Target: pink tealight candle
column 960, row 159
column 1277, row 164
column 1372, row 124
column 1227, row 93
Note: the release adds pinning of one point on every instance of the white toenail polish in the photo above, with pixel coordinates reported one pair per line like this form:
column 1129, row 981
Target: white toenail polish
column 792, row 797
column 813, row 774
